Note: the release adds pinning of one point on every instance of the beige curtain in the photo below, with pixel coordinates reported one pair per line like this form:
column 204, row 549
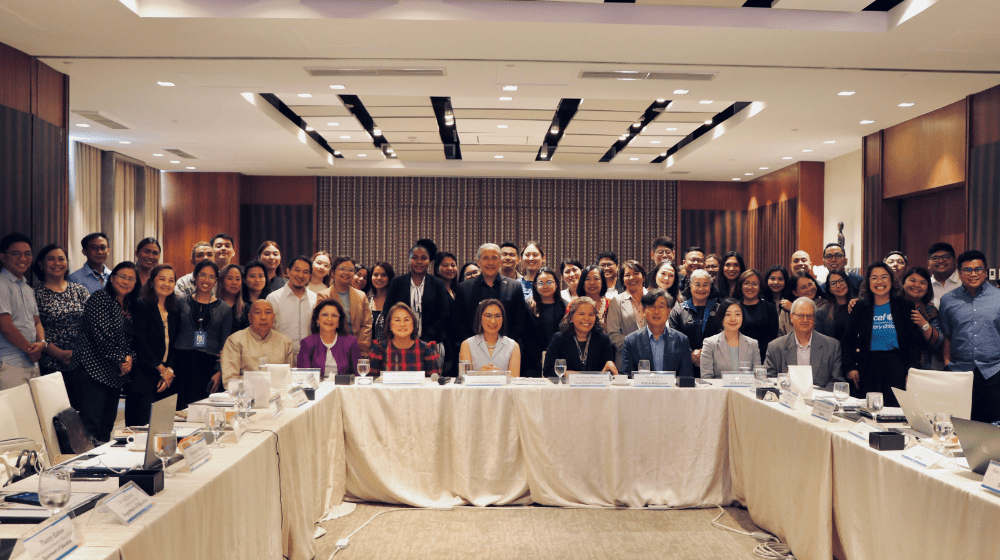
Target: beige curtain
column 123, row 216
column 84, row 197
column 152, row 225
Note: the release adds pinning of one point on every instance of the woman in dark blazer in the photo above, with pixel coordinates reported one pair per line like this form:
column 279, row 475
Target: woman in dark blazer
column 882, row 342
column 581, row 341
column 435, row 304
column 546, row 310
column 156, row 323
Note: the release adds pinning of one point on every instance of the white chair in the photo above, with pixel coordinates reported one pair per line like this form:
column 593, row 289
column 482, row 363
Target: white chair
column 49, row 393
column 942, row 391
column 23, row 408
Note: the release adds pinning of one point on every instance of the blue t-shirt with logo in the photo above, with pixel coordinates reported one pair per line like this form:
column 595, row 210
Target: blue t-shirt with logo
column 883, row 330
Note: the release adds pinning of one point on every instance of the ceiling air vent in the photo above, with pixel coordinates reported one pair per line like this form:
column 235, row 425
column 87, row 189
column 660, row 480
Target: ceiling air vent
column 320, row 167
column 677, row 76
column 644, row 75
column 679, row 173
column 180, row 153
column 324, row 71
column 98, row 118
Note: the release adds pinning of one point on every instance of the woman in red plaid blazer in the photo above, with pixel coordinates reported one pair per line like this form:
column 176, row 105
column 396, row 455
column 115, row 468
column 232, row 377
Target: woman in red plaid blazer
column 401, row 350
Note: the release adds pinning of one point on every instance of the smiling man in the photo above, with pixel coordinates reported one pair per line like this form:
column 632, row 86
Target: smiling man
column 93, row 275
column 293, row 303
column 224, row 248
column 202, row 251
column 834, row 258
column 666, row 349
column 944, row 273
column 244, row 348
column 22, row 338
column 509, row 259
column 805, row 346
column 490, row 284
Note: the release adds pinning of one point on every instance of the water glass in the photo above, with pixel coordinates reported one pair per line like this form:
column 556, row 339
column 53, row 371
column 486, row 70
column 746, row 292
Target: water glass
column 943, row 429
column 216, row 422
column 643, row 365
column 841, row 390
column 54, row 489
column 560, row 368
column 745, row 369
column 759, row 374
column 874, row 404
column 364, row 366
column 233, row 386
column 784, row 381
column 165, row 445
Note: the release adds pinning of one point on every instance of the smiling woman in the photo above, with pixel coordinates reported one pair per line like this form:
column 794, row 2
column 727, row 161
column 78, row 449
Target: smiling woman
column 489, row 350
column 60, row 306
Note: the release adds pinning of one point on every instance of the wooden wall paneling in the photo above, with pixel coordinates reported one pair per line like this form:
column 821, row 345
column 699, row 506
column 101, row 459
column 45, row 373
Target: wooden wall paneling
column 926, row 219
column 984, row 122
column 810, row 211
column 871, row 226
column 983, row 187
column 15, row 80
column 196, row 206
column 926, row 152
column 49, row 176
column 51, row 102
column 15, row 171
column 782, row 184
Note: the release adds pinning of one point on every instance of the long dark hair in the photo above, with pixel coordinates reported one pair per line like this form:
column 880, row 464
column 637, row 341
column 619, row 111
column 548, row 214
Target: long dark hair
column 537, row 297
column 851, row 293
column 866, row 293
column 453, row 283
column 246, row 272
column 37, row 267
column 220, row 288
column 581, row 285
column 674, row 289
column 148, row 293
column 277, row 271
column 786, row 292
column 341, row 323
column 721, row 282
column 805, row 274
column 389, row 272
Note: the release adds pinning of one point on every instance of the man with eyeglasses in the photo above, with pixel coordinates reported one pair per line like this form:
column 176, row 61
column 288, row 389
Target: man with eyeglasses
column 93, row 275
column 834, row 258
column 805, row 346
column 694, row 259
column 22, row 338
column 202, row 251
column 970, row 322
column 944, row 273
column 663, row 250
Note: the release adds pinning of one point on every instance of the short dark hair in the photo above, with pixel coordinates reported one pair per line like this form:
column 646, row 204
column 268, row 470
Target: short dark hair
column 580, row 287
column 149, row 295
column 341, row 323
column 693, row 249
column 899, row 253
column 428, row 244
column 728, row 302
column 838, row 245
column 90, row 237
column 225, row 236
column 972, row 255
column 194, row 249
column 198, row 267
column 941, row 246
column 926, row 275
column 302, row 258
column 663, row 242
column 738, row 293
column 649, row 298
column 37, row 266
column 574, row 262
column 13, row 238
column 512, row 245
column 851, row 292
column 477, row 321
column 607, row 255
column 461, row 272
column 388, row 320
column 148, row 241
column 635, row 266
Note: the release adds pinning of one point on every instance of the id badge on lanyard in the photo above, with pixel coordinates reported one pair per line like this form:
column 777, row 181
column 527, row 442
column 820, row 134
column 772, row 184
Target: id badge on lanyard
column 200, row 337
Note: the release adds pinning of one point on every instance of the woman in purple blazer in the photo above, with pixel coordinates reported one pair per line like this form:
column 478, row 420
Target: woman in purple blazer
column 330, row 338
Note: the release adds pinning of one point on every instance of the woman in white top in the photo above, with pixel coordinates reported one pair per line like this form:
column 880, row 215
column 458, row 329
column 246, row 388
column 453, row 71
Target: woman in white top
column 320, row 280
column 489, row 350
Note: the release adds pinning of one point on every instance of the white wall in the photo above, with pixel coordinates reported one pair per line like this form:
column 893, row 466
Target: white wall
column 843, row 201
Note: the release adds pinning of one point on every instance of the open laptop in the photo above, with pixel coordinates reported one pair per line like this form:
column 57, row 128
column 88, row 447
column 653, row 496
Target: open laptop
column 161, row 419
column 916, row 417
column 980, row 443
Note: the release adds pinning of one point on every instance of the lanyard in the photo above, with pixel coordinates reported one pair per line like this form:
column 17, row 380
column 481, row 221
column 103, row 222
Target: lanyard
column 583, row 353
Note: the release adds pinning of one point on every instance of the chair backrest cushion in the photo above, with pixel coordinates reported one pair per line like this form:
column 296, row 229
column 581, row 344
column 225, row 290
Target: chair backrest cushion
column 942, row 391
column 49, row 393
column 21, row 403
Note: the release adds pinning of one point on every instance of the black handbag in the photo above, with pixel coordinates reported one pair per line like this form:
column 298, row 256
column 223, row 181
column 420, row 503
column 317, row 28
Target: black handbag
column 73, row 437
column 26, row 465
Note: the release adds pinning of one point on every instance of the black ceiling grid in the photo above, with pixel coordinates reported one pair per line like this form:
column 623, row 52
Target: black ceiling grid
column 719, row 118
column 297, row 120
column 647, row 117
column 448, row 132
column 357, row 108
column 876, row 6
column 564, row 113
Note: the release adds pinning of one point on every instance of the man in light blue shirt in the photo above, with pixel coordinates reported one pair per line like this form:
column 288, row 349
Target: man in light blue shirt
column 22, row 339
column 665, row 348
column 93, row 275
column 970, row 322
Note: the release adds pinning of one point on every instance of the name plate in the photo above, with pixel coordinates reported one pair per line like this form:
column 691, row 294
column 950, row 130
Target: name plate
column 788, row 399
column 654, row 379
column 129, row 503
column 540, row 381
column 593, row 379
column 403, row 378
column 922, row 456
column 485, row 380
column 862, row 429
column 55, row 541
column 737, row 380
column 823, row 410
column 195, row 451
column 992, row 479
column 298, row 397
column 277, row 406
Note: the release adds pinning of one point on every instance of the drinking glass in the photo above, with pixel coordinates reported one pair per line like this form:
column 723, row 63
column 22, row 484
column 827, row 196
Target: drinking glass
column 364, row 366
column 233, row 387
column 440, row 360
column 165, row 445
column 560, row 368
column 874, row 403
column 841, row 390
column 943, row 429
column 643, row 366
column 745, row 368
column 251, row 393
column 759, row 374
column 262, row 363
column 784, row 381
column 54, row 489
column 216, row 422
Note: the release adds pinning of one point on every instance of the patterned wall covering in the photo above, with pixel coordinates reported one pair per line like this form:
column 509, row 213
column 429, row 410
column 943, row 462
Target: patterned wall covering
column 984, row 200
column 378, row 218
column 765, row 236
column 291, row 226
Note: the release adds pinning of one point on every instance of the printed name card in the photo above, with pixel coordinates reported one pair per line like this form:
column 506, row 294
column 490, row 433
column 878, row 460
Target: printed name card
column 823, row 410
column 298, row 397
column 654, row 379
column 195, row 451
column 541, row 381
column 485, row 380
column 992, row 479
column 129, row 503
column 591, row 379
column 862, row 429
column 922, row 456
column 277, row 406
column 737, row 380
column 54, row 541
column 788, row 399
column 402, row 378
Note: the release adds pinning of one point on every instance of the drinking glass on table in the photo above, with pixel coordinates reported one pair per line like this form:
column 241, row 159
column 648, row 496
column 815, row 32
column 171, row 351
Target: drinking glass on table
column 874, row 403
column 759, row 374
column 165, row 445
column 943, row 429
column 784, row 381
column 745, row 369
column 54, row 489
column 560, row 367
column 841, row 390
column 216, row 422
column 233, row 386
column 644, row 366
column 364, row 366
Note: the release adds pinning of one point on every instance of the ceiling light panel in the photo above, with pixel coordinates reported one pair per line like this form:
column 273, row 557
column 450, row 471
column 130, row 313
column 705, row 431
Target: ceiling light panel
column 316, row 99
column 659, row 128
column 619, row 116
column 345, row 124
column 695, row 106
column 305, row 111
column 414, row 124
column 660, row 143
column 514, row 127
column 338, row 137
column 542, row 104
column 363, row 155
column 598, row 127
column 396, row 112
column 416, row 146
column 636, row 106
column 504, row 114
column 508, row 157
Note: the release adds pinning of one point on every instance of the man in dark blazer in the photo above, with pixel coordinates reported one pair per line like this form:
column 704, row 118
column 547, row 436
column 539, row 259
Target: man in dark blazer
column 823, row 351
column 676, row 349
column 490, row 284
column 435, row 303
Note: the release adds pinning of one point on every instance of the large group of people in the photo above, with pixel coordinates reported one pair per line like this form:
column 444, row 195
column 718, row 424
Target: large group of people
column 141, row 330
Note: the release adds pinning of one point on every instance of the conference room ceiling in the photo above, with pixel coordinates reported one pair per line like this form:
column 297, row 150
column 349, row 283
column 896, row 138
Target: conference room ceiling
column 615, row 60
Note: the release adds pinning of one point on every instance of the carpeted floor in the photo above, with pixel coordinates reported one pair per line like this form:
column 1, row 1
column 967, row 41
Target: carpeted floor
column 539, row 533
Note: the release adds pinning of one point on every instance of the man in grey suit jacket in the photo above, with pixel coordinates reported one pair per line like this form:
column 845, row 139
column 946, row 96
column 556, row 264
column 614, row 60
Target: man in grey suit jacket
column 804, row 345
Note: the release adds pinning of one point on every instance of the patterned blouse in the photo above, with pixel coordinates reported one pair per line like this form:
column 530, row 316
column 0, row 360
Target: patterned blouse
column 421, row 356
column 60, row 313
column 105, row 341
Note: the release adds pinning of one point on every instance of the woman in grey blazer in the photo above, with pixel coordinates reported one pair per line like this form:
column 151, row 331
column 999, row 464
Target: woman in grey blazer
column 625, row 311
column 725, row 351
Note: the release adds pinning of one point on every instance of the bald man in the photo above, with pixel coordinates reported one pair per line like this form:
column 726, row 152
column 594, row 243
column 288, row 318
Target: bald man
column 800, row 261
column 244, row 348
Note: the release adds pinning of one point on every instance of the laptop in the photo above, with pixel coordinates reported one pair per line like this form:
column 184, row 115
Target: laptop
column 916, row 417
column 161, row 419
column 980, row 443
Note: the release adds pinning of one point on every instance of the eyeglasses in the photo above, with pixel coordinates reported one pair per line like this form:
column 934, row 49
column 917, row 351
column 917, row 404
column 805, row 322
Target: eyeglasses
column 804, row 317
column 838, row 283
column 343, row 269
column 607, row 265
column 546, row 283
column 662, row 252
column 940, row 258
column 125, row 278
column 834, row 256
column 977, row 270
column 751, row 285
column 206, row 276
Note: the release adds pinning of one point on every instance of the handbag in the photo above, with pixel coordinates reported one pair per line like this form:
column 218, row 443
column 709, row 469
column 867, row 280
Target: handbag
column 19, row 459
column 73, row 437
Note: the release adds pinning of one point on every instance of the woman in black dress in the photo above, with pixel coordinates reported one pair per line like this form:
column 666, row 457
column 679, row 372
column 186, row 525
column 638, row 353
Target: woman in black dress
column 206, row 323
column 760, row 318
column 545, row 310
column 156, row 323
column 581, row 341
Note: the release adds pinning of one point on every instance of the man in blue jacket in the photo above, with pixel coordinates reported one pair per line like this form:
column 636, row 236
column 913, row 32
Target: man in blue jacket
column 665, row 348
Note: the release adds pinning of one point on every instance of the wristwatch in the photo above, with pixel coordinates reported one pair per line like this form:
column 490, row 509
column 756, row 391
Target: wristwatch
column 926, row 327
column 46, row 342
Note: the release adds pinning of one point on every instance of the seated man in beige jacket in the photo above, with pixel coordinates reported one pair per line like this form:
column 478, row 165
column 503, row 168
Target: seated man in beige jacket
column 244, row 349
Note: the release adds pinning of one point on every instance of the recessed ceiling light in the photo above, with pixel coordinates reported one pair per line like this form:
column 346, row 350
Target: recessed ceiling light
column 709, row 121
column 157, row 155
column 362, row 155
column 510, row 88
column 623, row 137
column 345, row 137
column 174, row 161
column 310, row 129
column 377, row 131
column 654, row 141
column 337, row 86
column 736, row 179
column 305, row 95
column 681, row 92
column 501, row 126
column 190, row 167
column 498, row 157
column 388, row 150
column 124, row 142
column 449, row 123
column 763, row 168
column 333, row 124
column 83, row 125
column 636, row 124
column 806, row 151
column 506, row 99
column 706, row 102
column 633, row 159
column 336, row 152
column 664, row 154
column 787, row 157
column 905, row 105
column 829, row 141
column 554, row 130
column 846, row 93
column 660, row 100
column 748, row 174
column 544, row 155
column 867, row 122
column 165, row 84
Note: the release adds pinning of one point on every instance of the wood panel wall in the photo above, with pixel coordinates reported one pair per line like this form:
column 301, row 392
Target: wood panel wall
column 945, row 210
column 196, row 206
column 925, row 153
column 983, row 188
